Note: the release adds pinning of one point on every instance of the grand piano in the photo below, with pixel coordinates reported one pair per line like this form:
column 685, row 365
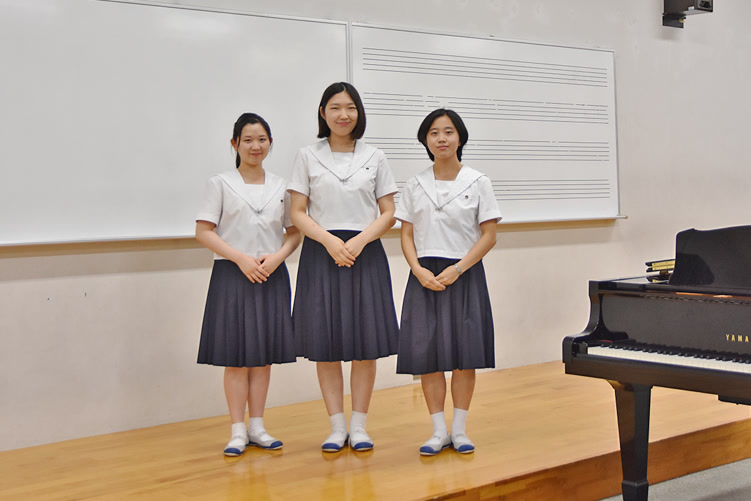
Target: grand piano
column 689, row 329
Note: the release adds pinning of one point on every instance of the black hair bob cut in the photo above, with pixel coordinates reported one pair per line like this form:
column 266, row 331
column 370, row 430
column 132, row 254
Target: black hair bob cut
column 461, row 129
column 336, row 88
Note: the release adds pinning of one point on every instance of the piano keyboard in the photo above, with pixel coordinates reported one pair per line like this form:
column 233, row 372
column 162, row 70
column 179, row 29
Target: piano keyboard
column 722, row 361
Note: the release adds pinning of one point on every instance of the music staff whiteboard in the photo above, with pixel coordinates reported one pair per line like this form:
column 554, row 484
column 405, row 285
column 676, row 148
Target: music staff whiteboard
column 114, row 114
column 541, row 118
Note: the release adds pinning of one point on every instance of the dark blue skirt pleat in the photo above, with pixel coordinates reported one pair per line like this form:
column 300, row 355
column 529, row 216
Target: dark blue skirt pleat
column 446, row 330
column 344, row 314
column 246, row 324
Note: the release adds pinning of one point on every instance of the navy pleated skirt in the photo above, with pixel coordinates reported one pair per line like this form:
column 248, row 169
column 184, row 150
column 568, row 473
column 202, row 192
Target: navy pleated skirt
column 446, row 330
column 246, row 324
column 341, row 313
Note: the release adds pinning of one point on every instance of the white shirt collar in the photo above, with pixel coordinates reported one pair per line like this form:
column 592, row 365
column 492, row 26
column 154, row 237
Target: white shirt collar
column 236, row 183
column 464, row 179
column 322, row 151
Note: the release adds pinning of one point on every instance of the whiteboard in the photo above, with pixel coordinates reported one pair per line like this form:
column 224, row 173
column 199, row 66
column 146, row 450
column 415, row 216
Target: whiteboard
column 541, row 118
column 114, row 115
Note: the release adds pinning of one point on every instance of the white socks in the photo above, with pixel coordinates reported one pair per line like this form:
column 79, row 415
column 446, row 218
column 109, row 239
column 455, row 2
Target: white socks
column 335, row 442
column 440, row 439
column 439, row 424
column 258, row 436
column 358, row 437
column 338, row 422
column 255, row 426
column 462, row 443
column 236, row 445
column 459, row 422
column 357, row 422
column 238, row 429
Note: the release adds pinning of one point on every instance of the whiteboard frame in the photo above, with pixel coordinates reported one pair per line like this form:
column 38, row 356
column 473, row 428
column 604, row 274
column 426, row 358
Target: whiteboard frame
column 199, row 8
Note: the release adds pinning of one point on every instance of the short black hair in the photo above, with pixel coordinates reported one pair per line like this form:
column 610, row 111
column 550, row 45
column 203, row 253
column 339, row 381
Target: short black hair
column 461, row 129
column 242, row 121
column 336, row 88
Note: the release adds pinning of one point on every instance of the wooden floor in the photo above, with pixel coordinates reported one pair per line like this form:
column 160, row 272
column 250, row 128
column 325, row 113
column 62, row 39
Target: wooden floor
column 540, row 434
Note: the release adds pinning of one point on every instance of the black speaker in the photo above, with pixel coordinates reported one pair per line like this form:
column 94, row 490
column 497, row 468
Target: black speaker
column 675, row 11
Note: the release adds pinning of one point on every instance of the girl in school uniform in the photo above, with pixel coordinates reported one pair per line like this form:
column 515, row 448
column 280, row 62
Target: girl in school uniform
column 449, row 215
column 247, row 323
column 343, row 201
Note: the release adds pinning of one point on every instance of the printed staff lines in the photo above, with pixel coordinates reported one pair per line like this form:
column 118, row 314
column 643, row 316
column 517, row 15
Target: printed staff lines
column 487, row 108
column 456, row 65
column 551, row 189
column 492, row 59
column 543, row 189
column 466, row 71
column 458, row 60
column 502, row 150
column 495, row 149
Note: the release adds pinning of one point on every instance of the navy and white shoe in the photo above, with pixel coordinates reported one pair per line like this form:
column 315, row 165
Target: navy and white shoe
column 360, row 441
column 335, row 442
column 235, row 447
column 435, row 445
column 462, row 444
column 264, row 441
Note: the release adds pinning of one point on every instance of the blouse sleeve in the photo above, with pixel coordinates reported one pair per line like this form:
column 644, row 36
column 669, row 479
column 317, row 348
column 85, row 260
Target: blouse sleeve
column 405, row 207
column 211, row 207
column 299, row 180
column 287, row 216
column 385, row 184
column 488, row 206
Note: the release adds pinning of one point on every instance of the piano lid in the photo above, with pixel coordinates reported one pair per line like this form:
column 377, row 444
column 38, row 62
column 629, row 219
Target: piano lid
column 720, row 259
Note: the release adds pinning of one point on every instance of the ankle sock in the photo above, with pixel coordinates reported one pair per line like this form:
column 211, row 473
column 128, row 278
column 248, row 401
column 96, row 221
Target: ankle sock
column 239, row 429
column 358, row 421
column 255, row 426
column 459, row 423
column 439, row 424
column 338, row 422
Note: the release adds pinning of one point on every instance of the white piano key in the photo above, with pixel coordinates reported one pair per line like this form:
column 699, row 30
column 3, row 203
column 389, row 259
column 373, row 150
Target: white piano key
column 643, row 356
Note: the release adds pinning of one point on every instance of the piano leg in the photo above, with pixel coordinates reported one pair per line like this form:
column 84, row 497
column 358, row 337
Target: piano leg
column 632, row 404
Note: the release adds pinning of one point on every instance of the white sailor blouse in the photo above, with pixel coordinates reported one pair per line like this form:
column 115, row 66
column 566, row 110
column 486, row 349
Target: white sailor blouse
column 249, row 219
column 447, row 227
column 342, row 199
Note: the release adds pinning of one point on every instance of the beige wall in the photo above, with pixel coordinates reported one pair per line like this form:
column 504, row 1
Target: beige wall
column 102, row 337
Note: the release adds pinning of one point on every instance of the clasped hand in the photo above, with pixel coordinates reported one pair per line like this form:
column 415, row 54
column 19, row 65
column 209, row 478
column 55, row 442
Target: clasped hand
column 344, row 253
column 436, row 283
column 258, row 270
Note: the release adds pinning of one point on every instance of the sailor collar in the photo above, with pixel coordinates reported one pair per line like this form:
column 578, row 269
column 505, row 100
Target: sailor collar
column 464, row 179
column 322, row 151
column 234, row 180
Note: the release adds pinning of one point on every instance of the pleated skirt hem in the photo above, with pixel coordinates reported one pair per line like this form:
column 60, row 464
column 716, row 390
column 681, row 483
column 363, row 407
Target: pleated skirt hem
column 246, row 324
column 446, row 330
column 340, row 313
